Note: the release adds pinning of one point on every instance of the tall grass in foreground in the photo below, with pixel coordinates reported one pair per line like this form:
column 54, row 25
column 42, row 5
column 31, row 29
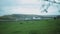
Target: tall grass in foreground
column 30, row 27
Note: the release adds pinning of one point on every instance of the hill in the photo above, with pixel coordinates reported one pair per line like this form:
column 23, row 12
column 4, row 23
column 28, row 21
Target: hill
column 27, row 17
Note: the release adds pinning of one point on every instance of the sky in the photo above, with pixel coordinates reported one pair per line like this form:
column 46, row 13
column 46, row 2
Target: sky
column 27, row 7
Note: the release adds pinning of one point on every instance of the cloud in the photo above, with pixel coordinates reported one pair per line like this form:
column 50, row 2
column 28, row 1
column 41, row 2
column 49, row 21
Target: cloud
column 21, row 10
column 30, row 1
column 25, row 7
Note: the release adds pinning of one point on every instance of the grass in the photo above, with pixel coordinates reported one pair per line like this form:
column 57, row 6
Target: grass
column 30, row 27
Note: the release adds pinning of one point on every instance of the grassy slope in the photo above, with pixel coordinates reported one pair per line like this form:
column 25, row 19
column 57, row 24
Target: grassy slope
column 31, row 27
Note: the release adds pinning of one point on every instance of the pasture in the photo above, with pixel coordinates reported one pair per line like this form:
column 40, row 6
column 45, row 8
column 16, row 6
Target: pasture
column 30, row 27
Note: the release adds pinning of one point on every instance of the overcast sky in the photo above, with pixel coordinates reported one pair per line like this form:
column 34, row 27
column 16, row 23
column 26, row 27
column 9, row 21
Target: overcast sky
column 25, row 7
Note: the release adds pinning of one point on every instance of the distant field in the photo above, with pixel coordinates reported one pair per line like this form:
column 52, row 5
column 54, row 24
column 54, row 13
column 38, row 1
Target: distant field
column 30, row 27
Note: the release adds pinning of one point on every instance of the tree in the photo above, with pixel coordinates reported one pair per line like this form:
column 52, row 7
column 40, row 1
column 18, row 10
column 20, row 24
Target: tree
column 47, row 3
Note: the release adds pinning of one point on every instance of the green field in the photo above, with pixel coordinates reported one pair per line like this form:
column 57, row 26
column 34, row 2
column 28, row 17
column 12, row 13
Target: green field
column 30, row 27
